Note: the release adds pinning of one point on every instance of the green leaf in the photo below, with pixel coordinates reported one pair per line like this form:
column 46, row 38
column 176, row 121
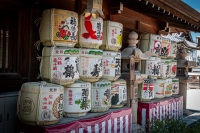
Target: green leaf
column 78, row 101
column 58, row 34
column 66, row 37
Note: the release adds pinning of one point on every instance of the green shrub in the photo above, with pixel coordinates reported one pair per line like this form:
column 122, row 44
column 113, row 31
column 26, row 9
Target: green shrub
column 194, row 128
column 168, row 126
column 173, row 126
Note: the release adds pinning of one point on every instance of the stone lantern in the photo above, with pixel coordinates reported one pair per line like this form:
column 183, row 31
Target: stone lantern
column 131, row 67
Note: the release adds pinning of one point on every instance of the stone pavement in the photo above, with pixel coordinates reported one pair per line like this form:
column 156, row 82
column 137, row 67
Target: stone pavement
column 190, row 116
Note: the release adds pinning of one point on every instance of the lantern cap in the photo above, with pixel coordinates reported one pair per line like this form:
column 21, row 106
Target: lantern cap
column 133, row 50
column 94, row 8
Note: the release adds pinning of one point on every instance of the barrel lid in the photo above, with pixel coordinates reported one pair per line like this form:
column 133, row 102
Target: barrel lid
column 36, row 86
column 155, row 58
column 113, row 24
column 64, row 12
column 119, row 82
column 111, row 53
column 102, row 83
column 79, row 84
column 92, row 52
column 52, row 51
column 41, row 83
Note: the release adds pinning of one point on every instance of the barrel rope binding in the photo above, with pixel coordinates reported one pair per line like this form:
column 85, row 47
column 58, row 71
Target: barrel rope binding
column 37, row 44
column 37, row 21
column 19, row 101
column 41, row 64
column 38, row 103
column 50, row 63
column 51, row 26
column 39, row 58
column 55, row 107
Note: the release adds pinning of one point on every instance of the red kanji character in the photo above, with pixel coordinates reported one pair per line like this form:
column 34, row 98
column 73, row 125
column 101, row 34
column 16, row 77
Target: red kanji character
column 70, row 94
column 55, row 68
column 44, row 107
column 54, row 60
column 70, row 99
column 59, row 62
column 70, row 102
column 57, row 51
column 50, row 102
column 59, row 58
column 50, row 96
column 45, row 99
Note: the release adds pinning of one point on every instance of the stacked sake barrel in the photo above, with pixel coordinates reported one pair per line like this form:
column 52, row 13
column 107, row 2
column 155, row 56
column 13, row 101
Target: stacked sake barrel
column 81, row 79
column 112, row 42
column 41, row 103
column 161, row 67
column 102, row 65
column 107, row 35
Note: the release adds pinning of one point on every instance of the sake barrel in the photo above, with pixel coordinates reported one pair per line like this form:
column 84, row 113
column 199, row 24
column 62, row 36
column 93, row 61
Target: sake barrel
column 146, row 90
column 164, row 68
column 173, row 50
column 173, row 68
column 112, row 36
column 150, row 42
column 151, row 67
column 59, row 28
column 40, row 103
column 101, row 96
column 165, row 48
column 175, row 86
column 90, row 66
column 77, row 100
column 90, row 32
column 111, row 65
column 60, row 65
column 168, row 87
column 118, row 93
column 159, row 88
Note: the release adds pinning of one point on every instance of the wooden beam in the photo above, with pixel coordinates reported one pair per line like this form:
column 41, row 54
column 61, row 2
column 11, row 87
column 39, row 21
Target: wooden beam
column 171, row 6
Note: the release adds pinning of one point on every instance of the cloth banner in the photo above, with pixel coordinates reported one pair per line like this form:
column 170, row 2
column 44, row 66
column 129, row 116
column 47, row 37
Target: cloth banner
column 114, row 122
